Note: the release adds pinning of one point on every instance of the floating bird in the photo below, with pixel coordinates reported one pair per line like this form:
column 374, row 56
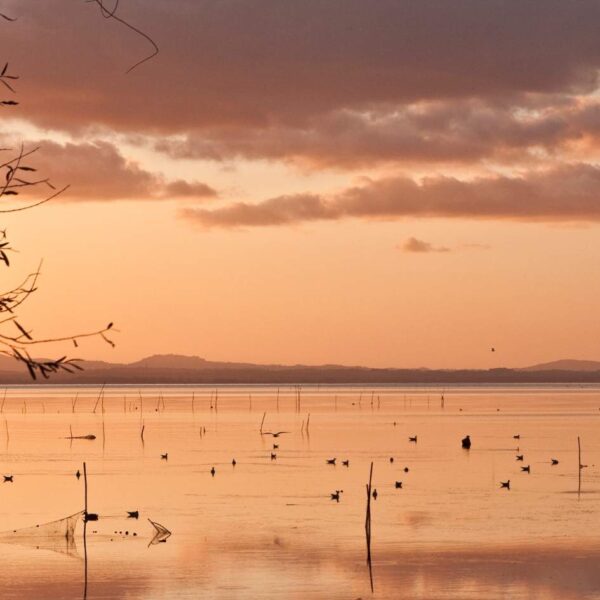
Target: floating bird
column 406, row 469
column 526, row 469
column 375, row 494
column 275, row 446
column 466, row 442
column 346, row 463
column 331, row 461
column 274, row 433
column 505, row 484
column 273, row 456
column 165, row 456
column 8, row 478
column 517, row 437
column 519, row 457
column 413, row 439
column 493, row 349
column 213, row 471
column 78, row 474
column 391, row 459
column 336, row 495
column 554, row 461
column 233, row 462
column 398, row 485
column 133, row 514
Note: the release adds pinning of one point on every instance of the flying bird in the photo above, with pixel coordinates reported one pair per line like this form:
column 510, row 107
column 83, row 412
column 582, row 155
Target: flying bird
column 554, row 461
column 519, row 457
column 398, row 485
column 526, row 469
column 165, row 456
column 331, row 461
column 505, row 484
column 413, row 439
column 273, row 456
column 133, row 514
column 346, row 463
column 8, row 478
column 274, row 433
column 336, row 495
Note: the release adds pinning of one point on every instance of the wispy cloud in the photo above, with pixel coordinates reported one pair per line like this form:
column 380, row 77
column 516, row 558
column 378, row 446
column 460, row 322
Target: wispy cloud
column 564, row 193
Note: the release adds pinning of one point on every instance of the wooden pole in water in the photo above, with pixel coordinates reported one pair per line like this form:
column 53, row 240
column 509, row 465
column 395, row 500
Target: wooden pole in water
column 85, row 488
column 262, row 422
column 98, row 399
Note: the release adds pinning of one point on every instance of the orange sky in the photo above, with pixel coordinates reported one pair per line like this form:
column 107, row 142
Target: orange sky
column 388, row 184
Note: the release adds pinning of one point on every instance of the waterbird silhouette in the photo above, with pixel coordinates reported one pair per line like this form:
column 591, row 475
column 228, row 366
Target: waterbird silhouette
column 165, row 456
column 8, row 478
column 336, row 495
column 78, row 474
column 466, row 442
column 517, row 437
column 526, row 469
column 331, row 461
column 213, row 471
column 273, row 456
column 505, row 484
column 233, row 462
column 375, row 494
column 391, row 459
column 274, row 433
column 406, row 469
column 346, row 463
column 519, row 457
column 275, row 446
column 554, row 461
column 133, row 514
column 413, row 439
column 398, row 485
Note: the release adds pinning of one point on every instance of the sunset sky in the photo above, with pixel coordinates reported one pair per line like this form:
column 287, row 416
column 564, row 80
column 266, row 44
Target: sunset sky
column 387, row 183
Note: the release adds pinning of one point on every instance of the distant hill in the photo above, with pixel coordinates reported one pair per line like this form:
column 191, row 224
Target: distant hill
column 173, row 368
column 566, row 365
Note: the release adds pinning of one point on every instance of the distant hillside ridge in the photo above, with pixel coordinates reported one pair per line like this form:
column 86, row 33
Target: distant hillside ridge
column 567, row 364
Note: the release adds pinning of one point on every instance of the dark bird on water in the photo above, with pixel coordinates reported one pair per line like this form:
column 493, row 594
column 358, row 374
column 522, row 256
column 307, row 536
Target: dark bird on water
column 213, row 471
column 466, row 442
column 505, row 484
column 391, row 459
column 275, row 446
column 8, row 478
column 233, row 462
column 406, row 469
column 519, row 457
column 554, row 461
column 274, row 433
column 517, row 437
column 375, row 494
column 331, row 461
column 165, row 456
column 336, row 495
column 413, row 439
column 273, row 456
column 526, row 469
column 398, row 485
column 346, row 463
column 78, row 474
column 133, row 514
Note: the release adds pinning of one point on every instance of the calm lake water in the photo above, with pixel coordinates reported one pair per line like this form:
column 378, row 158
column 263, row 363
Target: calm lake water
column 267, row 528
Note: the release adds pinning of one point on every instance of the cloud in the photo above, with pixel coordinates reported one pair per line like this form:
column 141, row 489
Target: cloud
column 98, row 171
column 563, row 193
column 258, row 63
column 449, row 131
column 421, row 247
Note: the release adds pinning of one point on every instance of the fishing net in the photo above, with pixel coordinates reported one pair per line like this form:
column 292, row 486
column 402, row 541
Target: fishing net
column 58, row 536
